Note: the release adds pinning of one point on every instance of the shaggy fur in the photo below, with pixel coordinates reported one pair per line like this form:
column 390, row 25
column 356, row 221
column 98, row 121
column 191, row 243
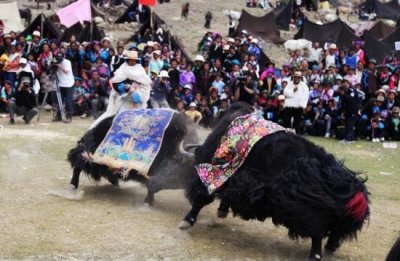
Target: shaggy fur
column 170, row 169
column 394, row 254
column 285, row 177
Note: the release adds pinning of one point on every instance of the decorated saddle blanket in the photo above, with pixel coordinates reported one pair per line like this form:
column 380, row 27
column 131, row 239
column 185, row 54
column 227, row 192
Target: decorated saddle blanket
column 235, row 145
column 134, row 140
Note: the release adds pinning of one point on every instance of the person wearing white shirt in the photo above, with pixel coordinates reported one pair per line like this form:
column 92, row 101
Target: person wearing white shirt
column 66, row 80
column 296, row 98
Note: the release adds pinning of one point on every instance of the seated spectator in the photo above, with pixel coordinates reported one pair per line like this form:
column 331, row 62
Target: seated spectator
column 187, row 95
column 80, row 95
column 193, row 114
column 24, row 103
column 219, row 84
column 102, row 68
column 393, row 125
column 377, row 128
column 206, row 113
column 270, row 112
column 7, row 94
column 224, row 104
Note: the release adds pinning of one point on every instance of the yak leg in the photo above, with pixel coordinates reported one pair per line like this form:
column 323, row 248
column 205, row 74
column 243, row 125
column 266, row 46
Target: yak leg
column 191, row 217
column 316, row 245
column 223, row 209
column 333, row 242
column 75, row 178
column 149, row 200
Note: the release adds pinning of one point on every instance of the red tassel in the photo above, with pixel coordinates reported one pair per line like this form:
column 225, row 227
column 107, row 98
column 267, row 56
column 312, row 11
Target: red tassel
column 357, row 206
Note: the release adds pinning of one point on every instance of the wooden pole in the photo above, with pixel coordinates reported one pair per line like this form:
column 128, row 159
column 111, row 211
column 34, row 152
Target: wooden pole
column 91, row 30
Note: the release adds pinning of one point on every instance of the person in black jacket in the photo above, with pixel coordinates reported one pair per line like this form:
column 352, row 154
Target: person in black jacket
column 24, row 103
column 351, row 107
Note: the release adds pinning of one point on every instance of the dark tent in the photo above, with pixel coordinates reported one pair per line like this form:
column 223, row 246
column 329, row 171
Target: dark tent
column 128, row 15
column 377, row 49
column 381, row 30
column 393, row 37
column 335, row 32
column 283, row 14
column 319, row 33
column 76, row 29
column 144, row 34
column 90, row 33
column 346, row 36
column 42, row 24
column 389, row 10
column 263, row 27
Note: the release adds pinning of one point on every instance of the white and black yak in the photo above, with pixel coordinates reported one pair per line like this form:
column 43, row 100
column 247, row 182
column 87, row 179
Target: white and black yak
column 288, row 178
column 171, row 168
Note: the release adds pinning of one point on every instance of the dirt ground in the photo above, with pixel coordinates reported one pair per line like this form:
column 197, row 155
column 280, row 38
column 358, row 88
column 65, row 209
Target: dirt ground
column 112, row 223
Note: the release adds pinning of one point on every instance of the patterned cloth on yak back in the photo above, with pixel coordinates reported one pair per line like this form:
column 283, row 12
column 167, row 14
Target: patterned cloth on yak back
column 134, row 140
column 242, row 134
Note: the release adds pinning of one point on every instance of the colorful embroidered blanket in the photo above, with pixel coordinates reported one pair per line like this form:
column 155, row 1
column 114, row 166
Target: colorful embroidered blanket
column 242, row 134
column 134, row 140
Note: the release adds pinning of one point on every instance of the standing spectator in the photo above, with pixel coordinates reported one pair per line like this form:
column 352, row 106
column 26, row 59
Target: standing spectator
column 296, row 98
column 156, row 64
column 208, row 18
column 187, row 76
column 117, row 60
column 100, row 93
column 369, row 81
column 161, row 90
column 351, row 107
column 66, row 80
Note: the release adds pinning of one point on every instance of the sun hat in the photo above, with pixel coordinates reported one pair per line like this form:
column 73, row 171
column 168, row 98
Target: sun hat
column 36, row 33
column 163, row 74
column 23, row 61
column 192, row 104
column 200, row 58
column 297, row 74
column 132, row 55
column 281, row 97
column 187, row 86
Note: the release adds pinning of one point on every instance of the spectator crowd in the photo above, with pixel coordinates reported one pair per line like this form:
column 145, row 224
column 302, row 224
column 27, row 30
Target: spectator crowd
column 324, row 91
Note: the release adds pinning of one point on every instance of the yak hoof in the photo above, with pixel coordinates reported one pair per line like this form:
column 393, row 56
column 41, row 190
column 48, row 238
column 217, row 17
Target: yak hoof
column 72, row 188
column 184, row 225
column 316, row 257
column 222, row 213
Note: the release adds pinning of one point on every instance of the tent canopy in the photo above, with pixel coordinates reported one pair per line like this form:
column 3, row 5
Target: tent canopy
column 393, row 37
column 9, row 15
column 381, row 30
column 389, row 10
column 283, row 14
column 76, row 30
column 90, row 32
column 377, row 49
column 263, row 27
column 42, row 24
column 335, row 32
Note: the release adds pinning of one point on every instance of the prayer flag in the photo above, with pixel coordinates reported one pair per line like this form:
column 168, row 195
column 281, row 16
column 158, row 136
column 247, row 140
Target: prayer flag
column 75, row 12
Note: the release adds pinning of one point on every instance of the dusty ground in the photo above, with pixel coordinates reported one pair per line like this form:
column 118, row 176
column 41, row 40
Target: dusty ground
column 111, row 223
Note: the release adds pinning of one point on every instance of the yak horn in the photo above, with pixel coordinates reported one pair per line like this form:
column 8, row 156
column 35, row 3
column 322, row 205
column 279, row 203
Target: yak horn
column 187, row 147
column 184, row 152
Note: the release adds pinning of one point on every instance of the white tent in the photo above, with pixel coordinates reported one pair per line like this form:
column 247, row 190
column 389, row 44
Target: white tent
column 9, row 15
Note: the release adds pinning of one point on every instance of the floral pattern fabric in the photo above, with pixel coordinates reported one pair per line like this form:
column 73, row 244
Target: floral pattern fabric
column 235, row 145
column 134, row 140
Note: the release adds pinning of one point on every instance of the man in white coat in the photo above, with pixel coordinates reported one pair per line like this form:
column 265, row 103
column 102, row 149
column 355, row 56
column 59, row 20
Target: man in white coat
column 296, row 98
column 125, row 96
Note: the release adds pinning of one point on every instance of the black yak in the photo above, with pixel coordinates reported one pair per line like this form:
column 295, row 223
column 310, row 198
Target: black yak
column 171, row 168
column 285, row 177
column 394, row 254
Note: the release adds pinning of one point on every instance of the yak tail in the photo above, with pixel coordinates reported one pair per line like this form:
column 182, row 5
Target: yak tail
column 357, row 207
